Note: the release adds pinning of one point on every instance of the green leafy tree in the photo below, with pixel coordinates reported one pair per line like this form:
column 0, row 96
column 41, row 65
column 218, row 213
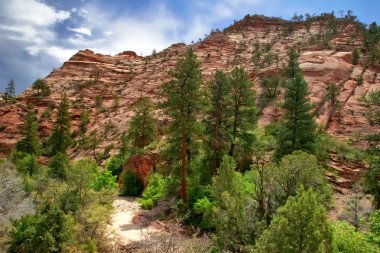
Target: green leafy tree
column 183, row 103
column 299, row 130
column 60, row 139
column 9, row 95
column 46, row 231
column 41, row 87
column 156, row 189
column 26, row 163
column 347, row 240
column 142, row 128
column 299, row 226
column 270, row 86
column 229, row 209
column 104, row 180
column 30, row 143
column 374, row 227
column 296, row 170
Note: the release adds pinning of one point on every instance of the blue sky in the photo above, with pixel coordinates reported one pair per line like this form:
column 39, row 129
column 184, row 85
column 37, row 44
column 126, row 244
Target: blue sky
column 39, row 35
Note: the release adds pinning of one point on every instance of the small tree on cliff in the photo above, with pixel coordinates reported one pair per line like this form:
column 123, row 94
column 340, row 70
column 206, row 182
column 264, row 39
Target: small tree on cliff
column 9, row 95
column 142, row 128
column 333, row 92
column 183, row 104
column 60, row 139
column 30, row 143
column 41, row 87
column 299, row 130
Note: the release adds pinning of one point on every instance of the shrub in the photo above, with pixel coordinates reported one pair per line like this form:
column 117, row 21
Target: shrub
column 155, row 190
column 115, row 165
column 347, row 240
column 355, row 56
column 132, row 184
column 104, row 180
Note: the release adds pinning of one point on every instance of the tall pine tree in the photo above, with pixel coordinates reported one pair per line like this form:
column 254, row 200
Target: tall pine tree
column 298, row 132
column 60, row 139
column 218, row 120
column 243, row 115
column 142, row 128
column 183, row 103
column 30, row 143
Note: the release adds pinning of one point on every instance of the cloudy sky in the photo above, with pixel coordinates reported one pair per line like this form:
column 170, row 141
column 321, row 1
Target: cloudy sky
column 39, row 35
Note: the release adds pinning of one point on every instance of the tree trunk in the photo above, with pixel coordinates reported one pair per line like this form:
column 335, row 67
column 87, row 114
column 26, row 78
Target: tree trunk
column 183, row 169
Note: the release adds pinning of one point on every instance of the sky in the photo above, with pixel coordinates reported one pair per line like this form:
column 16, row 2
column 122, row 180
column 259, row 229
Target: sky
column 37, row 36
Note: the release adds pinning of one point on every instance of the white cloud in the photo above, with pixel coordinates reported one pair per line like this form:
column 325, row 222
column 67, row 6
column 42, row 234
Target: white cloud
column 60, row 53
column 30, row 21
column 156, row 29
column 81, row 30
column 82, row 12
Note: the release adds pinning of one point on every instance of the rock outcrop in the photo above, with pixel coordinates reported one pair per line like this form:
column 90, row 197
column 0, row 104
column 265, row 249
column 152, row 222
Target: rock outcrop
column 119, row 81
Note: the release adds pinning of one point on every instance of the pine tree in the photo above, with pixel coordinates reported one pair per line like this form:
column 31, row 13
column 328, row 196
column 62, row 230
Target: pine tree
column 243, row 114
column 333, row 92
column 218, row 121
column 41, row 87
column 299, row 226
column 183, row 104
column 30, row 143
column 84, row 121
column 60, row 139
column 142, row 128
column 299, row 130
column 9, row 95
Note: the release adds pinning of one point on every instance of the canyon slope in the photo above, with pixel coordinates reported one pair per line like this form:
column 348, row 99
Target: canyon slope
column 109, row 86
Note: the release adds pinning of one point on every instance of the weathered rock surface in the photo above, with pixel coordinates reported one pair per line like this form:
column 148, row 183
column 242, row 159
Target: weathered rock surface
column 122, row 79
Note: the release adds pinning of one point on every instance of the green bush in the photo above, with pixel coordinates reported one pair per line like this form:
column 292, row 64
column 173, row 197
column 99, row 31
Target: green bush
column 48, row 230
column 355, row 56
column 374, row 227
column 347, row 240
column 155, row 190
column 104, row 180
column 132, row 184
column 115, row 165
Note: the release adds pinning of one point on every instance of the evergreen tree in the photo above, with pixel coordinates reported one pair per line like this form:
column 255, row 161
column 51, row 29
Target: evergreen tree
column 60, row 139
column 30, row 143
column 41, row 87
column 142, row 128
column 9, row 95
column 299, row 130
column 123, row 151
column 299, row 226
column 84, row 121
column 218, row 121
column 243, row 115
column 183, row 104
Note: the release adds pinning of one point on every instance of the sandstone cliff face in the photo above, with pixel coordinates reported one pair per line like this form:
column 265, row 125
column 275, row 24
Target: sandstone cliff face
column 88, row 76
